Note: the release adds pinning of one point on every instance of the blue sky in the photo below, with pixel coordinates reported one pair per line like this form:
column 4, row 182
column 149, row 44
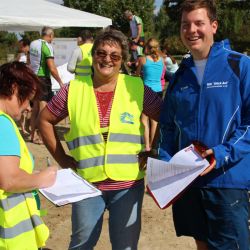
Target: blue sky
column 158, row 4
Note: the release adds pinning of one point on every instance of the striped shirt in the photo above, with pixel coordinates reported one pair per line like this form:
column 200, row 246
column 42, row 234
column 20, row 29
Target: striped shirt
column 151, row 107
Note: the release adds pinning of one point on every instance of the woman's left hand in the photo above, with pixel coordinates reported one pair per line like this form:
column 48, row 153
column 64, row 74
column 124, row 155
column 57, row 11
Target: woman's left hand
column 143, row 158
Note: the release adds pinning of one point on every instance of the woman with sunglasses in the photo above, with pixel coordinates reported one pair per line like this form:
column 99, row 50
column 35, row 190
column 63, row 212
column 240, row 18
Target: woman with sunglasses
column 104, row 140
column 20, row 222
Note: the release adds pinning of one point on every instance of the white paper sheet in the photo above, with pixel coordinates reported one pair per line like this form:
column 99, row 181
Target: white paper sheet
column 166, row 180
column 68, row 188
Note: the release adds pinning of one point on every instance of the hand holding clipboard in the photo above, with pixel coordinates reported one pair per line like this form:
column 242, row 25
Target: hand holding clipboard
column 207, row 153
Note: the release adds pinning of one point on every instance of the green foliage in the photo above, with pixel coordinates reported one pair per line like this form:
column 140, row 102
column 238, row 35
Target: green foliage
column 161, row 22
column 174, row 45
column 7, row 38
column 8, row 43
column 114, row 9
column 233, row 19
column 31, row 35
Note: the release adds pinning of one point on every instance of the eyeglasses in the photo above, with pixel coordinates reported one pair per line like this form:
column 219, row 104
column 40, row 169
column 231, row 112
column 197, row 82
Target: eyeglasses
column 102, row 54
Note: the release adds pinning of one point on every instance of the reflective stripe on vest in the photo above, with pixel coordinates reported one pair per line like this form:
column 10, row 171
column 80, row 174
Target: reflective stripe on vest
column 94, row 139
column 117, row 158
column 13, row 200
column 90, row 162
column 83, row 68
column 20, row 224
column 122, row 158
column 84, row 140
column 23, row 226
column 118, row 137
column 98, row 161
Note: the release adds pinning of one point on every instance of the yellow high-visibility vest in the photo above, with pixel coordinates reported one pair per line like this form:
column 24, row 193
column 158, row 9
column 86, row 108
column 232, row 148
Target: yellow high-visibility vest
column 83, row 68
column 20, row 222
column 117, row 158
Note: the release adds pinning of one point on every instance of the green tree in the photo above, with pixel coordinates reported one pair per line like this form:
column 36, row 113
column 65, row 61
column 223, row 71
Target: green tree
column 114, row 9
column 233, row 19
column 162, row 21
column 8, row 43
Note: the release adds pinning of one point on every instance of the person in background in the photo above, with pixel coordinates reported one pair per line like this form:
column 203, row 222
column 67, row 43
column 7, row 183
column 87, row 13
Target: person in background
column 79, row 40
column 209, row 101
column 20, row 222
column 42, row 63
column 171, row 63
column 23, row 50
column 137, row 37
column 152, row 67
column 81, row 60
column 22, row 56
column 105, row 138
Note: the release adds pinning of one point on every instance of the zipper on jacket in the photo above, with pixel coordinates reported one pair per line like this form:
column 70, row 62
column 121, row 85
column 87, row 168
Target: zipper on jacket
column 199, row 108
column 199, row 104
column 179, row 136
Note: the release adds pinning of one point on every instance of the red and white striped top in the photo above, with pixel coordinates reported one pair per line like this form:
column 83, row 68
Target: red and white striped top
column 151, row 107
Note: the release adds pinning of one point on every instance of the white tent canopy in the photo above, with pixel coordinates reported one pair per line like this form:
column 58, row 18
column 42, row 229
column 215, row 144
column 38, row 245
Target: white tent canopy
column 32, row 15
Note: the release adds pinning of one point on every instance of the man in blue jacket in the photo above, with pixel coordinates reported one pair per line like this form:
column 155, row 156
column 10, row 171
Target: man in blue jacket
column 209, row 101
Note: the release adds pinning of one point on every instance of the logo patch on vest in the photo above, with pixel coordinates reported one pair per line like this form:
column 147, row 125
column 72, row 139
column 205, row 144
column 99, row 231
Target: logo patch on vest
column 127, row 118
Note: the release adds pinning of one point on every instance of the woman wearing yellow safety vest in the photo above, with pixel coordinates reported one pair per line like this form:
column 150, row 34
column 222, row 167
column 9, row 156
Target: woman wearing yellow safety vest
column 104, row 139
column 20, row 222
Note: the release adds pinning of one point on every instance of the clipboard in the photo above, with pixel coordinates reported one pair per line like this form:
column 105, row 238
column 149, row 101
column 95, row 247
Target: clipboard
column 152, row 188
column 68, row 188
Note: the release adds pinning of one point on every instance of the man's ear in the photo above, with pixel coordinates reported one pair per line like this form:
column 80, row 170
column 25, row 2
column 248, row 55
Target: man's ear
column 214, row 26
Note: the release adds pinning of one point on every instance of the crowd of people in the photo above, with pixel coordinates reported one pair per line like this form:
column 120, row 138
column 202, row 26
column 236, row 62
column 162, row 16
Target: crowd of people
column 117, row 120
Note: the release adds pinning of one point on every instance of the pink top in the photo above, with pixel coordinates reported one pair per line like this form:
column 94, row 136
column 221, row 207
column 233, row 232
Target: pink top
column 163, row 82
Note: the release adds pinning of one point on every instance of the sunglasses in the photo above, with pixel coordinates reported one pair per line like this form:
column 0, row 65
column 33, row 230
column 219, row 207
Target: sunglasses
column 102, row 54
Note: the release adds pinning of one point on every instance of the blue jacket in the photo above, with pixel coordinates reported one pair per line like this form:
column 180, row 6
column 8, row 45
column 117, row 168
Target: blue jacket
column 216, row 113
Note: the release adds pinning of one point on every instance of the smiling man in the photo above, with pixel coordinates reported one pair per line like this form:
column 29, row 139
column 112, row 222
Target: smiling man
column 209, row 101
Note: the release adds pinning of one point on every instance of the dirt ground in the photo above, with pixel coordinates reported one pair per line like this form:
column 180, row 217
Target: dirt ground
column 157, row 226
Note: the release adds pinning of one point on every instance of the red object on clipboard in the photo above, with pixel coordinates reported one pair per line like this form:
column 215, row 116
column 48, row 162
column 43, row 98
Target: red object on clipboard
column 199, row 148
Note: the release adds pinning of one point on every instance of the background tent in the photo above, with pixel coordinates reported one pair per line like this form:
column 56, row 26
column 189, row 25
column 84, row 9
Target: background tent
column 32, row 15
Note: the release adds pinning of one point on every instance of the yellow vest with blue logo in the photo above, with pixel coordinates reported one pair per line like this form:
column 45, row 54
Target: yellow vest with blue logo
column 20, row 222
column 83, row 68
column 117, row 158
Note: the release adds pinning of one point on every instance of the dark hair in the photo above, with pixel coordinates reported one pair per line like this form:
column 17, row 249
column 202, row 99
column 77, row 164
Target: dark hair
column 128, row 13
column 19, row 75
column 25, row 42
column 86, row 35
column 111, row 37
column 209, row 5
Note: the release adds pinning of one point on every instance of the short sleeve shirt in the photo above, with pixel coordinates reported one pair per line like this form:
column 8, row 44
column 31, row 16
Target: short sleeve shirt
column 133, row 26
column 40, row 51
column 9, row 144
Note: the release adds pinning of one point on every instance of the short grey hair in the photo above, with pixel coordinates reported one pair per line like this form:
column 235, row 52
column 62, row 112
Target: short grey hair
column 112, row 37
column 47, row 31
column 128, row 13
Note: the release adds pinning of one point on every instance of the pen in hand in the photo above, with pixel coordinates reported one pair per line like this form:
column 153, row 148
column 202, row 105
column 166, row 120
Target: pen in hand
column 48, row 162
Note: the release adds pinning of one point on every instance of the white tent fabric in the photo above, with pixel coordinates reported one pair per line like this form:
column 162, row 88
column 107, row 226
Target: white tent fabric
column 32, row 15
